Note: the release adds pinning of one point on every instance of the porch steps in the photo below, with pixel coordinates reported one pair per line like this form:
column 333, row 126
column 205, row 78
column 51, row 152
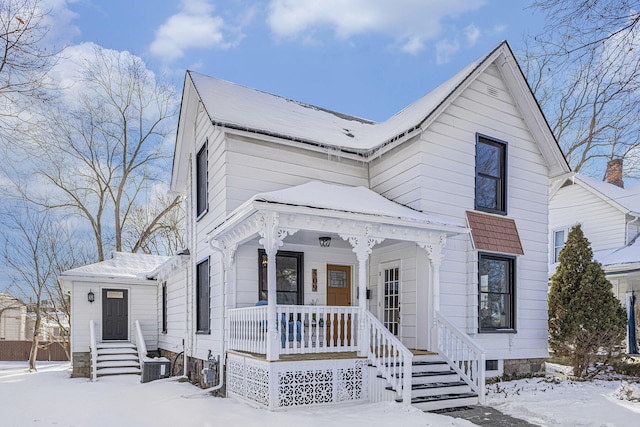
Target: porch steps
column 434, row 385
column 117, row 358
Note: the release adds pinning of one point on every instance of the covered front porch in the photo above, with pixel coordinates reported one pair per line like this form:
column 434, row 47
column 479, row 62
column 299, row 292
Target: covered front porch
column 261, row 336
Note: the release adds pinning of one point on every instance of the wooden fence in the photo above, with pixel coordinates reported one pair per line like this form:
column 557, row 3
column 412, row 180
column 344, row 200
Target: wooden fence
column 19, row 350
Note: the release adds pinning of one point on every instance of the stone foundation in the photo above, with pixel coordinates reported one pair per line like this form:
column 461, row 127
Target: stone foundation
column 81, row 365
column 523, row 368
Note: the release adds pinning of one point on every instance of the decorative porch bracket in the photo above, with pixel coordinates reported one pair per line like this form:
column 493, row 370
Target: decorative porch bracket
column 434, row 251
column 362, row 245
column 271, row 238
column 227, row 246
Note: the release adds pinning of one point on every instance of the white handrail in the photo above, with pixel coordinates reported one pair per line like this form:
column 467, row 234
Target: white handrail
column 465, row 356
column 142, row 347
column 93, row 346
column 387, row 353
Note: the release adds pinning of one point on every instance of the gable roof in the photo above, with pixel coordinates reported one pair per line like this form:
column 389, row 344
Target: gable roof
column 240, row 108
column 627, row 200
column 122, row 265
column 620, row 259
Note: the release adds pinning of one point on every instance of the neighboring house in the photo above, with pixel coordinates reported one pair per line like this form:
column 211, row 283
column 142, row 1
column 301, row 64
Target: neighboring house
column 419, row 239
column 13, row 319
column 610, row 218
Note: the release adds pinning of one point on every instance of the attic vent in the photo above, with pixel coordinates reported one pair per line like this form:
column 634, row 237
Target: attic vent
column 492, row 91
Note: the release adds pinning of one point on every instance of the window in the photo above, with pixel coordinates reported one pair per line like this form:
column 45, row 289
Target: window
column 559, row 237
column 164, row 307
column 491, row 186
column 289, row 280
column 201, row 181
column 202, row 297
column 496, row 281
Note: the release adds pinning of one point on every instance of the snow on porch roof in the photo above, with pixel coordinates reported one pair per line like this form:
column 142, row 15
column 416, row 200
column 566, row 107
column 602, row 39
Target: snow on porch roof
column 121, row 265
column 342, row 198
column 239, row 107
column 619, row 258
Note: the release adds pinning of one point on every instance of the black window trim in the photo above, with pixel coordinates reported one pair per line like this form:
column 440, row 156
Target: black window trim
column 513, row 287
column 300, row 279
column 164, row 307
column 503, row 168
column 199, row 329
column 203, row 150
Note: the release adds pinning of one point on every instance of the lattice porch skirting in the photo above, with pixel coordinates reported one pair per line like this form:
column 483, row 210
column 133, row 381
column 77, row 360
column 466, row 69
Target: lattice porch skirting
column 283, row 384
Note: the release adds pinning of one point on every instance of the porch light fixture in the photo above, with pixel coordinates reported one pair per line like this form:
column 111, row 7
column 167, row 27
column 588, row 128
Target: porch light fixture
column 264, row 259
column 325, row 242
column 91, row 297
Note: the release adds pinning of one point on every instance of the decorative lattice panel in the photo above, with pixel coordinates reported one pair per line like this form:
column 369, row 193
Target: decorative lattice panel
column 297, row 383
column 257, row 382
column 305, row 387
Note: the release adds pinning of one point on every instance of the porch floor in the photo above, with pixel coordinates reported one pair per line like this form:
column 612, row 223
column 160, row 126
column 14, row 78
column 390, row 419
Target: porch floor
column 318, row 356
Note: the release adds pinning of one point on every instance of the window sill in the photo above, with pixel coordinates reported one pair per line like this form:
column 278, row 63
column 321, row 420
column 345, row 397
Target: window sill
column 498, row 331
column 203, row 332
column 203, row 213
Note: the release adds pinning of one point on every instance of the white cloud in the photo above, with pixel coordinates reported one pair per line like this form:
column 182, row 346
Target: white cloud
column 472, row 34
column 195, row 26
column 445, row 49
column 411, row 23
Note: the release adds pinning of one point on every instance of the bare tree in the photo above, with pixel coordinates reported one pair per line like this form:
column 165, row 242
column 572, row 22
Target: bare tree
column 24, row 60
column 586, row 76
column 102, row 151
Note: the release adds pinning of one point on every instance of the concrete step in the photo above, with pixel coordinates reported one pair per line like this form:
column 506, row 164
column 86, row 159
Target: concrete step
column 118, row 356
column 118, row 364
column 118, row 371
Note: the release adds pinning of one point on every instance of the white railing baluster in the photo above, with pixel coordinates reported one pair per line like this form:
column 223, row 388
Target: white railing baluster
column 465, row 356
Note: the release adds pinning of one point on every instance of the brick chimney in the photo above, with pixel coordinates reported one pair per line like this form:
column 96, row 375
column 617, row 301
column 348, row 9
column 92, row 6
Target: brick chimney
column 614, row 173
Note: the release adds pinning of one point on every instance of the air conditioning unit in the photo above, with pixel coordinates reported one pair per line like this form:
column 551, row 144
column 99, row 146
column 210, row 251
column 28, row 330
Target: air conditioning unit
column 155, row 368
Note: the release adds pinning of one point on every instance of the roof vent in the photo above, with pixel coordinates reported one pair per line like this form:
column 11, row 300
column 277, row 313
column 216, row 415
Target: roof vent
column 492, row 91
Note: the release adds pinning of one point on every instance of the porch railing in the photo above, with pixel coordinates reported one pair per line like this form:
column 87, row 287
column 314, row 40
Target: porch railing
column 391, row 358
column 93, row 346
column 301, row 329
column 465, row 356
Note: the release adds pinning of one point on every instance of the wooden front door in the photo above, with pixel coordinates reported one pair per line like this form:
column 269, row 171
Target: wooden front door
column 115, row 314
column 339, row 293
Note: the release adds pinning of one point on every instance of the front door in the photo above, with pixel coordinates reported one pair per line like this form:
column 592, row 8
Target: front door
column 339, row 293
column 115, row 314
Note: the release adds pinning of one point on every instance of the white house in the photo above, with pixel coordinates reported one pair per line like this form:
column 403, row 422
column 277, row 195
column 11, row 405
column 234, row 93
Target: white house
column 609, row 215
column 409, row 256
column 13, row 319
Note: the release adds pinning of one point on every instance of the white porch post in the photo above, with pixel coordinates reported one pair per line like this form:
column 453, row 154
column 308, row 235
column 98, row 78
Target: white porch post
column 362, row 246
column 434, row 251
column 271, row 239
column 228, row 249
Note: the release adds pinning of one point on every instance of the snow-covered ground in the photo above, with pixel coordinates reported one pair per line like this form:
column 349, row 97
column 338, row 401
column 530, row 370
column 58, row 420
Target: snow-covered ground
column 49, row 397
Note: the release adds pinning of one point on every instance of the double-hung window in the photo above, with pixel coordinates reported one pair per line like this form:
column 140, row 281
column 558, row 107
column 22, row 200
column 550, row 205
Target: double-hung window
column 202, row 297
column 496, row 293
column 491, row 175
column 289, row 277
column 164, row 307
column 201, row 181
column 559, row 237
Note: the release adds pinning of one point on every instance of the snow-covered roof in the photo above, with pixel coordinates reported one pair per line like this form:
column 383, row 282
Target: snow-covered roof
column 626, row 256
column 243, row 108
column 626, row 198
column 343, row 198
column 121, row 265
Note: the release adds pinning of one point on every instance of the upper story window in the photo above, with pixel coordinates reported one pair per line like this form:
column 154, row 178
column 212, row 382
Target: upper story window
column 491, row 175
column 201, row 181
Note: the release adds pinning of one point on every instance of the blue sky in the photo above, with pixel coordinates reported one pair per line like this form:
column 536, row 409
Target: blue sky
column 368, row 58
